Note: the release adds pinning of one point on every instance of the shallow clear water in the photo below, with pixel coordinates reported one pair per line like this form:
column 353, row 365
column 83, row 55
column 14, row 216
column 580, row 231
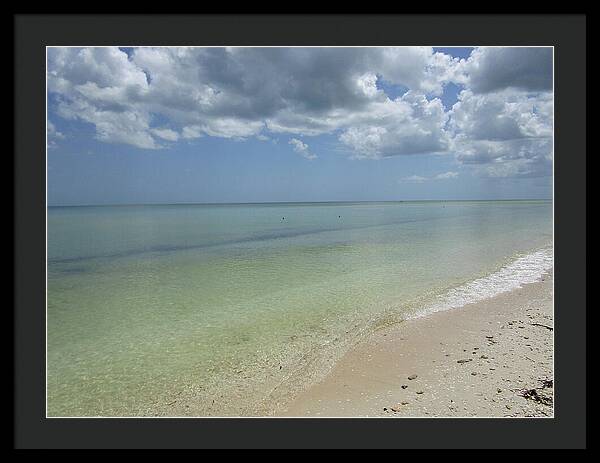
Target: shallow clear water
column 208, row 309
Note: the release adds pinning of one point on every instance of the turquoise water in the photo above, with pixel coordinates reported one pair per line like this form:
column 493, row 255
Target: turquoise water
column 224, row 309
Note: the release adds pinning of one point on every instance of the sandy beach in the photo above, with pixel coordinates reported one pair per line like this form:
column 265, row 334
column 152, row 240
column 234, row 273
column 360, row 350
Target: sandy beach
column 493, row 358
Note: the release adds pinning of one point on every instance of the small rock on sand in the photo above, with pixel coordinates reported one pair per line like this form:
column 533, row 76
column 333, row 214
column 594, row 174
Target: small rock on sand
column 411, row 377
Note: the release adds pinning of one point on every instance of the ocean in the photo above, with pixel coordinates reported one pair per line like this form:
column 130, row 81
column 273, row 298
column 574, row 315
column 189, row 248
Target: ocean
column 228, row 309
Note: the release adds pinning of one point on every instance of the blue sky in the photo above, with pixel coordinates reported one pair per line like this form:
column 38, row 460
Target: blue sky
column 173, row 125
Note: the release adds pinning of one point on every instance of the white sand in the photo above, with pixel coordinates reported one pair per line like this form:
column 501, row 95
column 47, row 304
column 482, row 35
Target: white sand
column 508, row 354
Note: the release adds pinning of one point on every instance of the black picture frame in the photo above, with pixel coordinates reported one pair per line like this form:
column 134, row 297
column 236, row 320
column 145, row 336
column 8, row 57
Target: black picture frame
column 32, row 33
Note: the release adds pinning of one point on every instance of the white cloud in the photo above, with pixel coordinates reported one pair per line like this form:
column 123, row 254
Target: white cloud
column 446, row 175
column 53, row 135
column 236, row 93
column 191, row 131
column 503, row 115
column 504, row 133
column 301, row 148
column 512, row 158
column 410, row 124
column 421, row 179
column 166, row 134
column 502, row 123
column 232, row 128
column 419, row 68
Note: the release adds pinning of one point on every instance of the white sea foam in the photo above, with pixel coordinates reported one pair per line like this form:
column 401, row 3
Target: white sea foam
column 526, row 269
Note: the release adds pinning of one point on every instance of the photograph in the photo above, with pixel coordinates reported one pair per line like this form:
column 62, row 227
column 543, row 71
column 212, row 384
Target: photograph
column 294, row 231
column 300, row 231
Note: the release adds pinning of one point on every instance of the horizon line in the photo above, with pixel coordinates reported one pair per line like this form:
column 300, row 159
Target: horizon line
column 293, row 202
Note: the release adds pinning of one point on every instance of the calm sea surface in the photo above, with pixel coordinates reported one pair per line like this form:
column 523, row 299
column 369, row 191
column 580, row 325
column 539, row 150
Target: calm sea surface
column 224, row 309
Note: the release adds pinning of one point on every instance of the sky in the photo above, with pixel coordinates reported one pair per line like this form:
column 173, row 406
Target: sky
column 218, row 125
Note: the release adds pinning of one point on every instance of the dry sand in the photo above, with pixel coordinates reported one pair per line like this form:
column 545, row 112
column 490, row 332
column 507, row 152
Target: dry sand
column 507, row 342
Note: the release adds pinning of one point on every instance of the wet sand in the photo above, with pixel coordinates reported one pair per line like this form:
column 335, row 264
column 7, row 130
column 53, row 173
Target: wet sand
column 489, row 359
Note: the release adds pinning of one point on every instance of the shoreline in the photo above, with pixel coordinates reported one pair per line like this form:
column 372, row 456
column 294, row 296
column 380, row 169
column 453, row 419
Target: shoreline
column 363, row 375
column 491, row 358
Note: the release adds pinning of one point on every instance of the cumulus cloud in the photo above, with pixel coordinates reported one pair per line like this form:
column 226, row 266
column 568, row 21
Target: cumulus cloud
column 506, row 133
column 237, row 93
column 411, row 124
column 495, row 68
column 151, row 98
column 503, row 115
column 301, row 148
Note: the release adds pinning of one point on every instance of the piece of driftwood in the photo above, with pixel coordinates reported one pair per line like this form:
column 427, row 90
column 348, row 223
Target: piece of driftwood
column 545, row 326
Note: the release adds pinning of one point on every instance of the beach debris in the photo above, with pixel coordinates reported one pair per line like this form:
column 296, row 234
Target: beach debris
column 474, row 373
column 411, row 377
column 484, row 357
column 546, row 383
column 492, row 337
column 420, row 392
column 532, row 394
column 404, row 386
column 398, row 407
column 463, row 360
column 544, row 326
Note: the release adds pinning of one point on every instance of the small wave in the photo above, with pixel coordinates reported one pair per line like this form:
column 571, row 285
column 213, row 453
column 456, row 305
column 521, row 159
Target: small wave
column 523, row 270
